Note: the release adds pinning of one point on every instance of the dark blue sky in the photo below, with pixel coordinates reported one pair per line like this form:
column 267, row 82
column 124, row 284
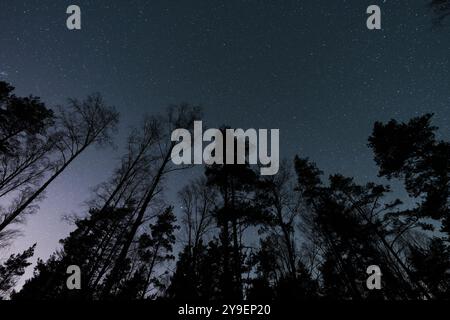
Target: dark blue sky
column 309, row 68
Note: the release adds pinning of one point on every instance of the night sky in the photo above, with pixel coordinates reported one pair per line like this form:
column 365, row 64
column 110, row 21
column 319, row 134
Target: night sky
column 310, row 68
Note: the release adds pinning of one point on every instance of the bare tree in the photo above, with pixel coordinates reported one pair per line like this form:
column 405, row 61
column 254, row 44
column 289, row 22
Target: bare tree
column 198, row 201
column 181, row 116
column 27, row 166
column 283, row 205
column 80, row 125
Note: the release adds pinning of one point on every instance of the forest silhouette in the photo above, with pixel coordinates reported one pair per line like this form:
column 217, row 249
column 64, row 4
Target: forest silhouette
column 240, row 236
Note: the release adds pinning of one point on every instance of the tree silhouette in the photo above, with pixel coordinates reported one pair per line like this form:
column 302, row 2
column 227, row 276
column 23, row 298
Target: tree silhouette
column 294, row 236
column 12, row 270
column 441, row 8
column 276, row 194
column 234, row 183
column 181, row 116
column 431, row 265
column 84, row 124
column 20, row 118
column 355, row 228
column 188, row 282
column 27, row 141
column 92, row 237
column 156, row 248
column 412, row 153
column 202, row 281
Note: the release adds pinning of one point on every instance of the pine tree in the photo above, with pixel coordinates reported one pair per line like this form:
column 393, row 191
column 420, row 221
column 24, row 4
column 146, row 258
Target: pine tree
column 234, row 183
column 12, row 269
column 349, row 223
column 90, row 246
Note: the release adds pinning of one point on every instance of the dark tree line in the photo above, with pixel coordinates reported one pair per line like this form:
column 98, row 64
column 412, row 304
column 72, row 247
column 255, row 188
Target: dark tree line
column 38, row 144
column 441, row 9
column 237, row 235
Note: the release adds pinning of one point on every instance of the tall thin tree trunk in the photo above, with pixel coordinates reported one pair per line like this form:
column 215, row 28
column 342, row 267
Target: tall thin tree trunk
column 227, row 276
column 421, row 288
column 11, row 217
column 150, row 271
column 113, row 278
column 287, row 236
column 126, row 175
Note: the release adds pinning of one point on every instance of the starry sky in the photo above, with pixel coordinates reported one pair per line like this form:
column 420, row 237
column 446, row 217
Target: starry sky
column 310, row 68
